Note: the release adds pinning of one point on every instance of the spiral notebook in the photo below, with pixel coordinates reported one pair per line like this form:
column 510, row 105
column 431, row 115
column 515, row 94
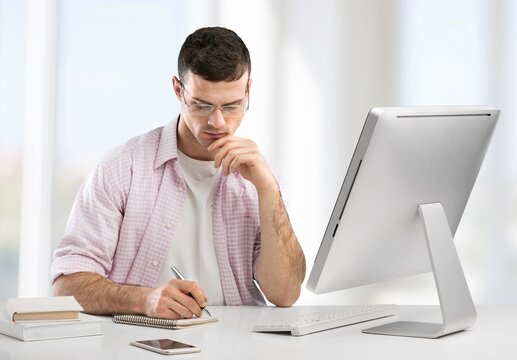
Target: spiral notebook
column 175, row 324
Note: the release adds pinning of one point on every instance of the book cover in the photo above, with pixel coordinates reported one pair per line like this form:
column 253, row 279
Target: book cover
column 43, row 308
column 29, row 331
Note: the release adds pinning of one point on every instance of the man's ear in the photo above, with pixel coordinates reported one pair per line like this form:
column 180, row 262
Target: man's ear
column 176, row 85
column 250, row 80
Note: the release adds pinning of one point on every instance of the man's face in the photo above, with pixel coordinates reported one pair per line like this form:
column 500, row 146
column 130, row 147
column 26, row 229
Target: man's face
column 197, row 131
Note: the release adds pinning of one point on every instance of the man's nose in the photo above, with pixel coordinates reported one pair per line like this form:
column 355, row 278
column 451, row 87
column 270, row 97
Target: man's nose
column 216, row 119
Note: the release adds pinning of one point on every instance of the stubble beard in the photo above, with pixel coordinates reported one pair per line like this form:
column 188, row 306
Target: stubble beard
column 191, row 138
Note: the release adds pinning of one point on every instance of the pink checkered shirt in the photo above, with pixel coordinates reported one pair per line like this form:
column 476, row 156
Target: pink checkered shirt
column 123, row 220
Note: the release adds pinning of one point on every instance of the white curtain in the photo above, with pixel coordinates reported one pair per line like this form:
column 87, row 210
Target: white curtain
column 317, row 68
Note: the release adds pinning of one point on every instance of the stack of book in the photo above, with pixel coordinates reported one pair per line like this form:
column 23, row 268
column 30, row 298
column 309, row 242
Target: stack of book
column 46, row 318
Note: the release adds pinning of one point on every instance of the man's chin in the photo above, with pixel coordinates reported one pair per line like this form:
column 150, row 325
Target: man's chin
column 204, row 143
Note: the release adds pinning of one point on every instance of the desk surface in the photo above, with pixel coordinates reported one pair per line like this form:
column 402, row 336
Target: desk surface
column 492, row 337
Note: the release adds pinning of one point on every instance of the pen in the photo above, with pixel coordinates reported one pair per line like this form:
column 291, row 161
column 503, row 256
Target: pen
column 178, row 274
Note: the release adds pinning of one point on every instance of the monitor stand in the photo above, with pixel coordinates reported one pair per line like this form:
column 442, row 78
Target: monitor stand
column 457, row 307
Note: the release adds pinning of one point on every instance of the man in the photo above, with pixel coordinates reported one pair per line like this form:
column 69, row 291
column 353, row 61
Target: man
column 189, row 194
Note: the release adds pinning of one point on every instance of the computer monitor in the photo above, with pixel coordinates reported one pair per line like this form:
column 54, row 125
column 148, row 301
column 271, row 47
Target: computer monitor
column 400, row 204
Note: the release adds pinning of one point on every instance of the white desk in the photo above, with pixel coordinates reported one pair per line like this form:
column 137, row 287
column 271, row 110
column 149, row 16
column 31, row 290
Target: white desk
column 494, row 336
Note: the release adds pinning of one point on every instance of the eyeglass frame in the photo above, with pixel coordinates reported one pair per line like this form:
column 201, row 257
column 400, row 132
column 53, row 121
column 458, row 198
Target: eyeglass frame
column 214, row 108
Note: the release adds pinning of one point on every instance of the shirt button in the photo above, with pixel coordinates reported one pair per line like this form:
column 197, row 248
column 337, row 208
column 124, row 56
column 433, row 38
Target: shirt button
column 154, row 263
column 167, row 226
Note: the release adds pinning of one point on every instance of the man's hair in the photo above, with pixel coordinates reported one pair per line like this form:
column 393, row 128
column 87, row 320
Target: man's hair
column 215, row 54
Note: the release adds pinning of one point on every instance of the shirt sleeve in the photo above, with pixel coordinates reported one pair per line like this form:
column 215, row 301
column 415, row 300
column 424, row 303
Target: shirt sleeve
column 92, row 232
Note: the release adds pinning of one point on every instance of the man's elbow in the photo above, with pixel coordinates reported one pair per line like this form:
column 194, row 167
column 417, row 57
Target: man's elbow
column 66, row 285
column 59, row 288
column 284, row 299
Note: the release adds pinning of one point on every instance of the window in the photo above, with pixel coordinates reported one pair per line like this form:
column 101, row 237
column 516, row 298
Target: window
column 13, row 22
column 116, row 60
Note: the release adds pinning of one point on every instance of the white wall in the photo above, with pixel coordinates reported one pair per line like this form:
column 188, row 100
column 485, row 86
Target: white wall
column 318, row 67
column 334, row 60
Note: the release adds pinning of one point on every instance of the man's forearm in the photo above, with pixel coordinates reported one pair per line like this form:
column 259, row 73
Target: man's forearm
column 98, row 295
column 281, row 263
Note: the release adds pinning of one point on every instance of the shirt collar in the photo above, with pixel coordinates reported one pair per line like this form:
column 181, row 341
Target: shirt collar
column 168, row 146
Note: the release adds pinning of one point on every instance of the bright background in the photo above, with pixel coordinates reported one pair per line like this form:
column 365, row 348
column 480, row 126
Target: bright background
column 79, row 77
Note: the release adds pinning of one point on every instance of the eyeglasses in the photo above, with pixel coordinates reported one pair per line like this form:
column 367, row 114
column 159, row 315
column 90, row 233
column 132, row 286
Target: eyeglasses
column 205, row 110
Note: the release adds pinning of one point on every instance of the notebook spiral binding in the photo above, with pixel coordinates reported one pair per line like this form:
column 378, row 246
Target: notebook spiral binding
column 141, row 320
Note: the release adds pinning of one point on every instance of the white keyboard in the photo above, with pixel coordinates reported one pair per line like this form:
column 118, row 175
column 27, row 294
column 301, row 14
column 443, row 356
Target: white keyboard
column 331, row 318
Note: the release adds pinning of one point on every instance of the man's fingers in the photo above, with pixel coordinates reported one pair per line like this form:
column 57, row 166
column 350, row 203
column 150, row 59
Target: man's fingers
column 190, row 295
column 184, row 305
column 191, row 287
column 167, row 313
column 244, row 154
column 236, row 161
column 219, row 142
column 226, row 145
column 223, row 151
column 164, row 305
column 176, row 299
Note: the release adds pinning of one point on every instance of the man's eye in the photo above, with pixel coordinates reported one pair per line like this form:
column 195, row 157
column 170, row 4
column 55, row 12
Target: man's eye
column 203, row 106
column 231, row 107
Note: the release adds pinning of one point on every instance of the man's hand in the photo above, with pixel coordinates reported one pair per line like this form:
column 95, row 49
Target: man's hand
column 99, row 295
column 240, row 155
column 173, row 300
column 281, row 263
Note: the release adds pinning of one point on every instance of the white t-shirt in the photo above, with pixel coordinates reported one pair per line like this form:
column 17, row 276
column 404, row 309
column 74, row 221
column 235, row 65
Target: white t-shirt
column 192, row 248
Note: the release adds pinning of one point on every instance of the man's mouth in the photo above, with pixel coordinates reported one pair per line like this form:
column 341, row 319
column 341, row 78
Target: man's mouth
column 214, row 135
